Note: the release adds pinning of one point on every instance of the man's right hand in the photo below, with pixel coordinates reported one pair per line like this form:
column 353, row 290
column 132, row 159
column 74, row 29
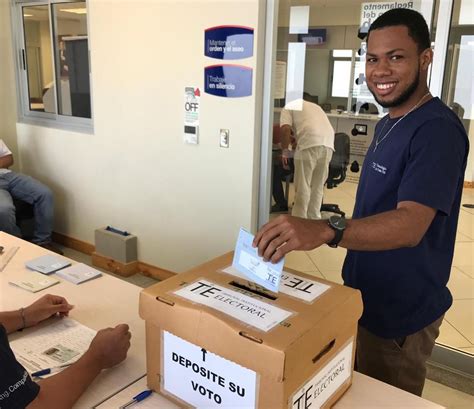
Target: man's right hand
column 110, row 346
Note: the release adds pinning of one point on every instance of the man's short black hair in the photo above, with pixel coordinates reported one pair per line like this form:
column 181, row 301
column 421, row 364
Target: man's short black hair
column 411, row 19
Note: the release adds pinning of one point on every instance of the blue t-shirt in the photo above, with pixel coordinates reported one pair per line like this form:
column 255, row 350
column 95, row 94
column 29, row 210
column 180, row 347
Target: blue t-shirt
column 422, row 160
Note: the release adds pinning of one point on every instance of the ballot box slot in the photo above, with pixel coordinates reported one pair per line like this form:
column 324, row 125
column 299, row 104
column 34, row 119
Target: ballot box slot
column 253, row 290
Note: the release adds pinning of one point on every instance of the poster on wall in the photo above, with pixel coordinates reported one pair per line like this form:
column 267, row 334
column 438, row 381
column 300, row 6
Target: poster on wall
column 228, row 42
column 192, row 96
column 228, row 81
column 371, row 10
column 279, row 80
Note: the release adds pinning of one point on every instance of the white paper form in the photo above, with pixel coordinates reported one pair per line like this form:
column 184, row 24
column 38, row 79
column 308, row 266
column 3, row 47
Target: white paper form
column 57, row 344
column 247, row 260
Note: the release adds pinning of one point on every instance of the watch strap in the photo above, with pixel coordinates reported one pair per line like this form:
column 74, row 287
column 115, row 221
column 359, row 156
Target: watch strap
column 337, row 238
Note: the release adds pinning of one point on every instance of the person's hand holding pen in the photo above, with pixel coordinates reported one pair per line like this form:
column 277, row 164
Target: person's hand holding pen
column 44, row 308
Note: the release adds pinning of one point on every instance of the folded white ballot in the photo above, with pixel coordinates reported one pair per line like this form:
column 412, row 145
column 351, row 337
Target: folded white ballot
column 78, row 273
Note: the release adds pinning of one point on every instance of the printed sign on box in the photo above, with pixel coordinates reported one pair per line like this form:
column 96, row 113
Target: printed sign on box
column 204, row 379
column 228, row 42
column 228, row 81
column 326, row 382
column 253, row 312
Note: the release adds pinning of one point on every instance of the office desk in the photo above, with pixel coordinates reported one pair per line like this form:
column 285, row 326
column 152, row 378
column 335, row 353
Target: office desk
column 103, row 302
column 365, row 393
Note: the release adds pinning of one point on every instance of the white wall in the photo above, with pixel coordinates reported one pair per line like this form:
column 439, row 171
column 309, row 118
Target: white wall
column 185, row 203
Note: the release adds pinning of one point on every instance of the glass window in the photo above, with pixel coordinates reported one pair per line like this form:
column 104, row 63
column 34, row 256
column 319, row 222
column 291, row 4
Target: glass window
column 54, row 62
column 36, row 56
column 341, row 78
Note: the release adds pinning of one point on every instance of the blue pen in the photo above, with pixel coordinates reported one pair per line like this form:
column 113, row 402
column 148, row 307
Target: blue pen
column 48, row 371
column 138, row 398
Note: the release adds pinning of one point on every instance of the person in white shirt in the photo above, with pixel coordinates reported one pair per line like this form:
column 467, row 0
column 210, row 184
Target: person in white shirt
column 25, row 188
column 315, row 147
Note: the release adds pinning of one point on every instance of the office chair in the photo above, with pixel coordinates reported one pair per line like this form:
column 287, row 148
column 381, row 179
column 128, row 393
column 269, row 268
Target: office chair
column 337, row 169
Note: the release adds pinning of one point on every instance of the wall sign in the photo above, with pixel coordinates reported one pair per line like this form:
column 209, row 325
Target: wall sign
column 204, row 379
column 228, row 42
column 370, row 11
column 228, row 81
column 192, row 97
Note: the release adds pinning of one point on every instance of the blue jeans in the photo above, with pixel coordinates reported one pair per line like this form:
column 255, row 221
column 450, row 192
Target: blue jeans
column 18, row 186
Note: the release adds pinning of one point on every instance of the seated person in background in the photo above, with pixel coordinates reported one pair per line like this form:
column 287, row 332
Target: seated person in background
column 22, row 187
column 17, row 390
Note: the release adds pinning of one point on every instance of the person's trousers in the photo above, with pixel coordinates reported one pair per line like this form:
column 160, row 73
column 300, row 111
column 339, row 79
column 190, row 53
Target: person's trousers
column 18, row 186
column 311, row 172
column 399, row 362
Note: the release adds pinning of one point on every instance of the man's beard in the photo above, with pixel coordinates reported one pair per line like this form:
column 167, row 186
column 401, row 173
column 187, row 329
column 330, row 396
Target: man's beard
column 404, row 97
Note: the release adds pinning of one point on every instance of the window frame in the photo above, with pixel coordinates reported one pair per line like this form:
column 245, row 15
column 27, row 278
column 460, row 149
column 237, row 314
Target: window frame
column 25, row 114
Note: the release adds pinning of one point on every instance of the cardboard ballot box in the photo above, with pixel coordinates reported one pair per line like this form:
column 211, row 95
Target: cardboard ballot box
column 216, row 340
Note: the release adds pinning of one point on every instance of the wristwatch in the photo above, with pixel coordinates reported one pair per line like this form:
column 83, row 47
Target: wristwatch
column 338, row 224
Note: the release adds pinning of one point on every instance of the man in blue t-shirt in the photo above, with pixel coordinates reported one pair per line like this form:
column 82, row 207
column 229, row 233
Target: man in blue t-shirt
column 401, row 238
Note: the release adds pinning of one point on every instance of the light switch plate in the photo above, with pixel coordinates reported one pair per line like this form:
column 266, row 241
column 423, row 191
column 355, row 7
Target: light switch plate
column 224, row 138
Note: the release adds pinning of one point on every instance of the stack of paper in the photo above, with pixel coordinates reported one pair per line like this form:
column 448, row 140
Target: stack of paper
column 34, row 282
column 47, row 264
column 78, row 273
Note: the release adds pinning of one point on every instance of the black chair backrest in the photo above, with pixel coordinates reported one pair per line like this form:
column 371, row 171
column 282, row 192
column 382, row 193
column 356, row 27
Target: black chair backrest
column 342, row 150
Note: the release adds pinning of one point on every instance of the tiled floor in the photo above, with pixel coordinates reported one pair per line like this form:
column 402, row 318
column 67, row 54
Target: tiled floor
column 457, row 330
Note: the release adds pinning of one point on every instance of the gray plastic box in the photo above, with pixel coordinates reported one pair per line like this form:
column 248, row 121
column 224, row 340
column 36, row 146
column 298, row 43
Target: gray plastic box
column 115, row 245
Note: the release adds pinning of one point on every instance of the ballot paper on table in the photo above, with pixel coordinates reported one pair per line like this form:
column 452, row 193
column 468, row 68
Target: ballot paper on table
column 61, row 342
column 32, row 281
column 248, row 262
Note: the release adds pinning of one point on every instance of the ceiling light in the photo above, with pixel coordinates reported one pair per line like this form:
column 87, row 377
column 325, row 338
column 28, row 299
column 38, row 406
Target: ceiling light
column 27, row 15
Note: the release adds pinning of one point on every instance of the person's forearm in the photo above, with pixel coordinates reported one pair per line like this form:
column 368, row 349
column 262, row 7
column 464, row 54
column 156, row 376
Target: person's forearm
column 6, row 161
column 384, row 231
column 62, row 390
column 11, row 320
column 285, row 136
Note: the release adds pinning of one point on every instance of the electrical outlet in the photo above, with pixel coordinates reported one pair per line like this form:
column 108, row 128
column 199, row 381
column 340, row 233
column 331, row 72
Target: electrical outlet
column 224, row 138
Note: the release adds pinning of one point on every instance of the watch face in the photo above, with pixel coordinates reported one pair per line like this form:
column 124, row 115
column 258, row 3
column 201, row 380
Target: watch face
column 337, row 222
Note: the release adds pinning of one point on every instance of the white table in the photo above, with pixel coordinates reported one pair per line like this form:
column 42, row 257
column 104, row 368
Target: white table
column 365, row 393
column 103, row 302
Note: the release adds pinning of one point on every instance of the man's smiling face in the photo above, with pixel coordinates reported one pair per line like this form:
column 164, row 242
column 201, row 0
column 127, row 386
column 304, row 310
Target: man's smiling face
column 393, row 67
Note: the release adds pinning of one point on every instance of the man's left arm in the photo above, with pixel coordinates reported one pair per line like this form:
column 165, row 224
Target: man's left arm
column 385, row 231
